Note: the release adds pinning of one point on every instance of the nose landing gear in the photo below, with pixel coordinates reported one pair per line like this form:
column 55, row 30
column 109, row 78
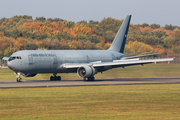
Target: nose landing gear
column 55, row 78
column 19, row 79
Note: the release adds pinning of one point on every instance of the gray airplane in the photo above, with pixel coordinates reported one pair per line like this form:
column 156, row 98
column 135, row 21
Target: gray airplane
column 86, row 63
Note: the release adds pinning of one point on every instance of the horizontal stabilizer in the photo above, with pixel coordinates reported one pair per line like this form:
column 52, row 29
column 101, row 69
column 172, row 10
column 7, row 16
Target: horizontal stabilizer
column 138, row 56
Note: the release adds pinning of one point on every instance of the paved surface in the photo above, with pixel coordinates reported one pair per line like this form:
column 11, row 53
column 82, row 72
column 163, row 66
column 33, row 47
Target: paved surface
column 98, row 82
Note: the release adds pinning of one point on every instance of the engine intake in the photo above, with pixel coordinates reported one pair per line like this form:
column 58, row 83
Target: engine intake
column 86, row 71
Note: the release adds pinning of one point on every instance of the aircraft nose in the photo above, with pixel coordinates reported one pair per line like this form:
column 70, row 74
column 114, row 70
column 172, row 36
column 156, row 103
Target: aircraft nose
column 10, row 65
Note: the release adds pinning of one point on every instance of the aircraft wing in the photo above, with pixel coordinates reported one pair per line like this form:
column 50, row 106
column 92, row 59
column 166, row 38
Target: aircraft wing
column 5, row 58
column 119, row 63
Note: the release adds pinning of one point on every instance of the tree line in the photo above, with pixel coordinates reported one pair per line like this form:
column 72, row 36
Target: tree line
column 24, row 33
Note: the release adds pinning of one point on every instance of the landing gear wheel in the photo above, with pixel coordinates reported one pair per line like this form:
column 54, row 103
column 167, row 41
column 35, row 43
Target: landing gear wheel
column 91, row 79
column 19, row 80
column 59, row 78
column 55, row 78
column 51, row 78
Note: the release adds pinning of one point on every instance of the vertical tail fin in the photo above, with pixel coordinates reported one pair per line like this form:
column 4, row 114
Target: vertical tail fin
column 120, row 39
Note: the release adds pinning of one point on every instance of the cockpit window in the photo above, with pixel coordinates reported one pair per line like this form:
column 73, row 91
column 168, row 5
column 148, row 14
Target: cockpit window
column 11, row 58
column 14, row 57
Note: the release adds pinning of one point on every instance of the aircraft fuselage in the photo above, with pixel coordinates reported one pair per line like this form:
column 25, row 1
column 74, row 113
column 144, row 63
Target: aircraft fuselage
column 51, row 61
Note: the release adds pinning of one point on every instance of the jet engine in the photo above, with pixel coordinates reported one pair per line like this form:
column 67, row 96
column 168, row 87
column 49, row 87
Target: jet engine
column 28, row 74
column 86, row 71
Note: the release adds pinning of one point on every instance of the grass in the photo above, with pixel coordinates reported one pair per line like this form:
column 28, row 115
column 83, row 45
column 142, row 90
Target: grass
column 149, row 70
column 115, row 102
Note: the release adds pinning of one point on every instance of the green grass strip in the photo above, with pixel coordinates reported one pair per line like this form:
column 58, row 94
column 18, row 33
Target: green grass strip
column 132, row 102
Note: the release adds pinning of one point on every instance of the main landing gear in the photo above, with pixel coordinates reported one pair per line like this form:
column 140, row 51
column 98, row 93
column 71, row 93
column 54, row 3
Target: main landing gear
column 89, row 79
column 19, row 79
column 55, row 78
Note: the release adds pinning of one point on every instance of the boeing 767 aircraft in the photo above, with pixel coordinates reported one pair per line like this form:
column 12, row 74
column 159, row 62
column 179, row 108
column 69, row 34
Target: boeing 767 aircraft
column 86, row 63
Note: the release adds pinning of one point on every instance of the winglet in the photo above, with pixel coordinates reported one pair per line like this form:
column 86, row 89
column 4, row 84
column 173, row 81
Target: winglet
column 120, row 39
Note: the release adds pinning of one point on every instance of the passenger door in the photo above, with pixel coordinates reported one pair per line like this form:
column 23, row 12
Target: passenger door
column 30, row 59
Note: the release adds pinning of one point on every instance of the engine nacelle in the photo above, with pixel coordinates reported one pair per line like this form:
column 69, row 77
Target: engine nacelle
column 28, row 74
column 86, row 71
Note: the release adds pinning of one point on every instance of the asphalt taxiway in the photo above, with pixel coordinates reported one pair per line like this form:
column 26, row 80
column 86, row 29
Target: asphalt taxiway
column 97, row 82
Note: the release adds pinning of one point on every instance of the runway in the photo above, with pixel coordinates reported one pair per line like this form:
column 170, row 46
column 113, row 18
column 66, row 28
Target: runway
column 98, row 82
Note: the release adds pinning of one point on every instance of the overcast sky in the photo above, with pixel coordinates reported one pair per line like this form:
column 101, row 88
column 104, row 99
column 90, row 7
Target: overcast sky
column 143, row 11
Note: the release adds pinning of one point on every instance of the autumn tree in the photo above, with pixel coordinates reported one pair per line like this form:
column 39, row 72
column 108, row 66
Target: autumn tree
column 2, row 20
column 82, row 22
column 55, row 20
column 22, row 32
column 177, row 33
column 69, row 24
column 42, row 19
column 93, row 38
column 1, row 55
column 29, row 46
column 144, row 25
column 169, row 41
column 169, row 27
column 154, row 25
column 9, row 51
